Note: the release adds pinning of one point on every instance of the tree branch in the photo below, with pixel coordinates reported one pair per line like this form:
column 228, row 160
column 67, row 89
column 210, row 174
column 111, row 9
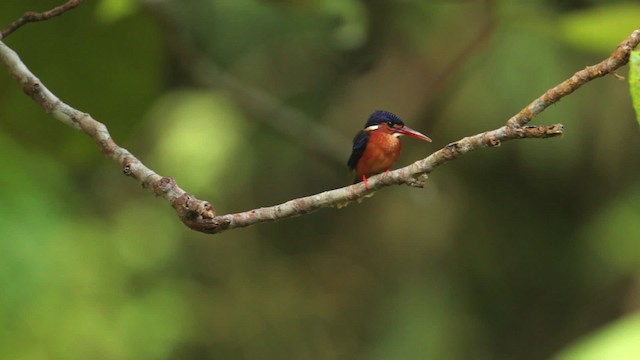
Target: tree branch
column 31, row 16
column 199, row 215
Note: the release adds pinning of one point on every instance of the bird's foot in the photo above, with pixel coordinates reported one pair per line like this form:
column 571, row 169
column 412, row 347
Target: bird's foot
column 366, row 182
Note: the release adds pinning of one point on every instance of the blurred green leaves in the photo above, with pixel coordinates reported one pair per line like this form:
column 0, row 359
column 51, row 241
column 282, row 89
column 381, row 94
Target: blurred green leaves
column 113, row 10
column 200, row 136
column 421, row 324
column 619, row 340
column 614, row 232
column 600, row 28
column 73, row 287
column 351, row 31
column 145, row 248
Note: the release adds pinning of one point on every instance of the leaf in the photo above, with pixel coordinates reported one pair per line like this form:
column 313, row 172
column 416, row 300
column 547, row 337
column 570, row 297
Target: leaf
column 620, row 341
column 634, row 81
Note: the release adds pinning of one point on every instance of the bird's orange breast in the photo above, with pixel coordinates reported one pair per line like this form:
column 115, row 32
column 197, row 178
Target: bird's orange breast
column 381, row 152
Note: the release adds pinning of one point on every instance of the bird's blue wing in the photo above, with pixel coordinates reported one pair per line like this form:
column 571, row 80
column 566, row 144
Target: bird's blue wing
column 359, row 144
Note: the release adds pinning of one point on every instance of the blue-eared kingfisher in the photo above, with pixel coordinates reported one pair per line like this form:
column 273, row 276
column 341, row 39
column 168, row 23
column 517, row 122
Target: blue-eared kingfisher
column 377, row 146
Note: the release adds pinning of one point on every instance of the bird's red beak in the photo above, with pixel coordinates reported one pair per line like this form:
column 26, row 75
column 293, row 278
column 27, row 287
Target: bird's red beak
column 410, row 132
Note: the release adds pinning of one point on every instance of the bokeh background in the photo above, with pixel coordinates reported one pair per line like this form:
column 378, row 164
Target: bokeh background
column 527, row 251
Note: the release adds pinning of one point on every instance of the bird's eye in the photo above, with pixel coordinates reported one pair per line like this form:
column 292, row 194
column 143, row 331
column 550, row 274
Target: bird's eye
column 390, row 123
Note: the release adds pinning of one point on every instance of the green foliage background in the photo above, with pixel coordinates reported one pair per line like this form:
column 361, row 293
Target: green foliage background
column 528, row 251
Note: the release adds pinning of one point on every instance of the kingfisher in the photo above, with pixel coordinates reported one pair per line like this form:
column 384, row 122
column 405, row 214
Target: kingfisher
column 377, row 146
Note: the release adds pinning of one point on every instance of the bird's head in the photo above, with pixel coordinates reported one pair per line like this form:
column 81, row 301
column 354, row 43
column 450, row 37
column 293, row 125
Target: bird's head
column 391, row 123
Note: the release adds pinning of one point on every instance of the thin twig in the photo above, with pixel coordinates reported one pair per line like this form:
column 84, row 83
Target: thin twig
column 200, row 215
column 31, row 16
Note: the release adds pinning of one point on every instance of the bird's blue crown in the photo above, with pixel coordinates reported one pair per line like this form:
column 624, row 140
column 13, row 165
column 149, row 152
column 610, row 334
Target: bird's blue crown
column 381, row 116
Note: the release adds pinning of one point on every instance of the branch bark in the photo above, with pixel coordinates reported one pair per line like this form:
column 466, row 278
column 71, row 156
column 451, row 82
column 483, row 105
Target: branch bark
column 200, row 215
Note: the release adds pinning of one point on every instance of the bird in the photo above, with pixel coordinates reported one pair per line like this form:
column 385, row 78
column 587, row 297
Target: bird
column 377, row 147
